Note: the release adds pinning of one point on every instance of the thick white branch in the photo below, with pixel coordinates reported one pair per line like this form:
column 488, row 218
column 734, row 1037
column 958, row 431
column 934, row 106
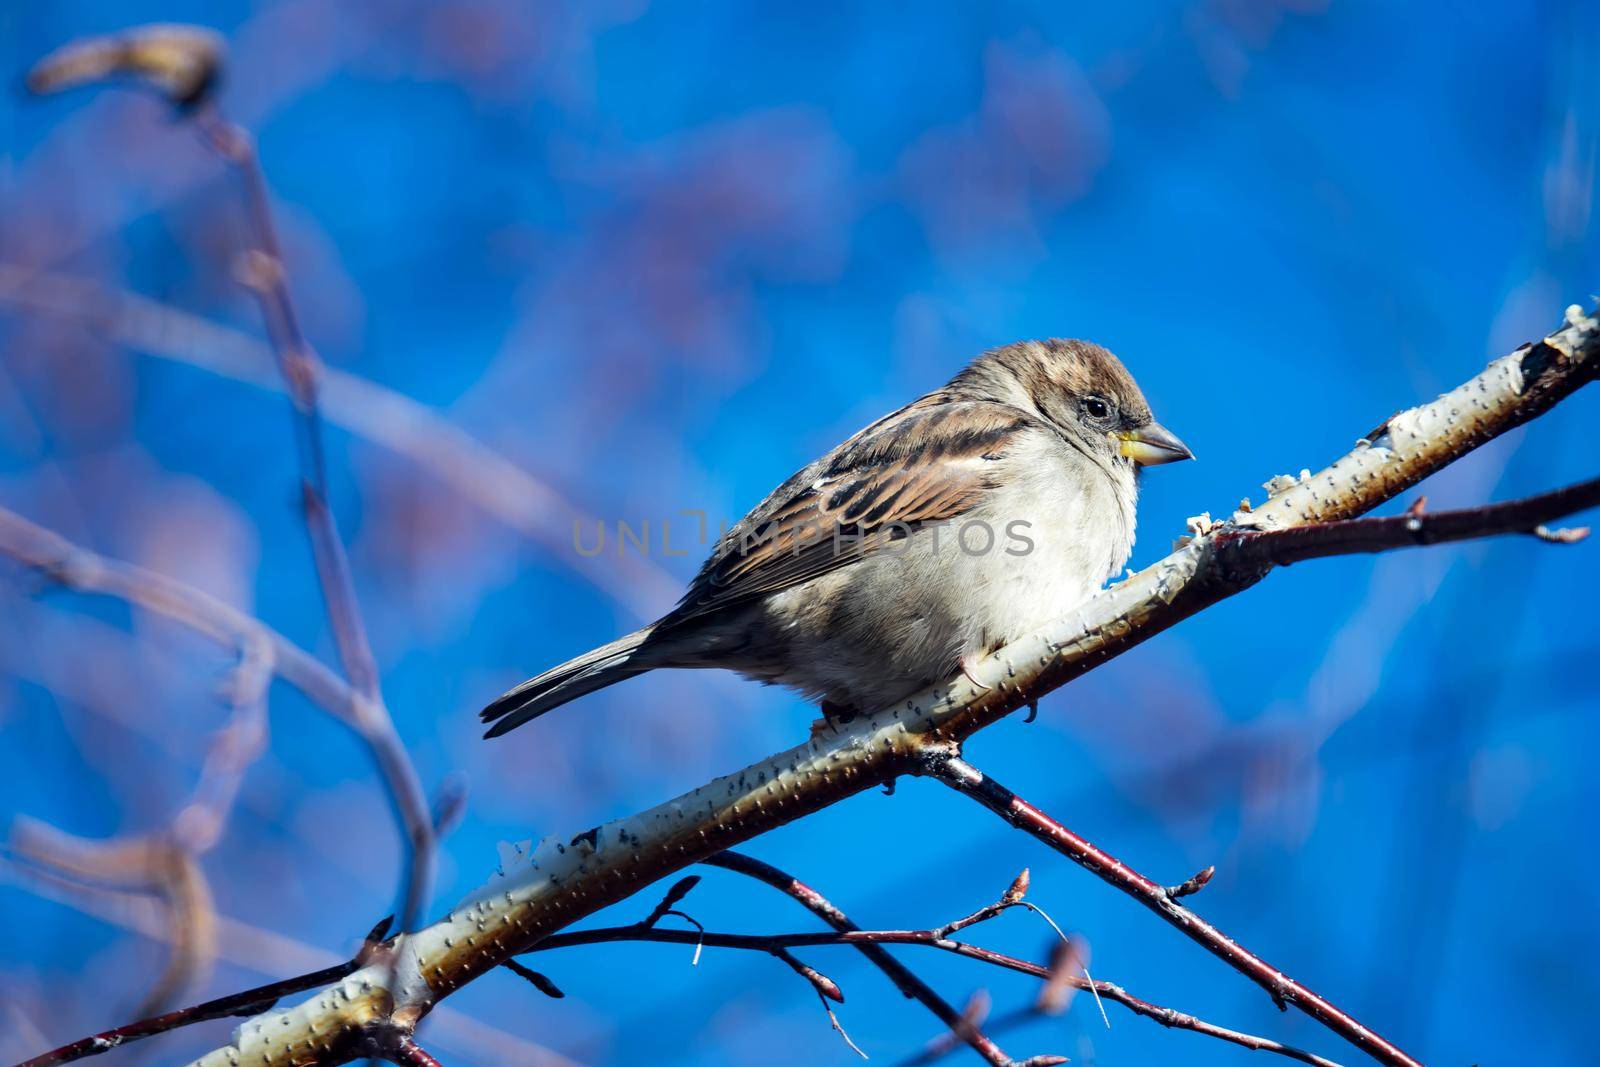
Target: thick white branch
column 569, row 876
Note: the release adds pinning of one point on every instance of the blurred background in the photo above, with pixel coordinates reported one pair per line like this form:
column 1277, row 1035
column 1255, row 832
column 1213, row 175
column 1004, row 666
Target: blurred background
column 576, row 264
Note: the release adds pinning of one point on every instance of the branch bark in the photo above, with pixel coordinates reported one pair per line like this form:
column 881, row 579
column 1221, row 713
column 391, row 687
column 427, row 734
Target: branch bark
column 568, row 877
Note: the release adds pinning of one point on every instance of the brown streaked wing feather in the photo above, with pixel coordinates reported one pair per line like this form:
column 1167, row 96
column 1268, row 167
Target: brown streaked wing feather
column 927, row 463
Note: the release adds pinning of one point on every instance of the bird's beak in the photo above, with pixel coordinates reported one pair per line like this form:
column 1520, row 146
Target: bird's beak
column 1151, row 444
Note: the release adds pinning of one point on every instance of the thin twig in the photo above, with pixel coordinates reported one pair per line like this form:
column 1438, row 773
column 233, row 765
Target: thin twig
column 673, row 897
column 771, row 944
column 1054, row 997
column 266, row 275
column 903, row 978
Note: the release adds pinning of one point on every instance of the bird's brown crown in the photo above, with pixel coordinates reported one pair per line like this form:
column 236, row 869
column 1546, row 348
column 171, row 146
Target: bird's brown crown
column 1049, row 370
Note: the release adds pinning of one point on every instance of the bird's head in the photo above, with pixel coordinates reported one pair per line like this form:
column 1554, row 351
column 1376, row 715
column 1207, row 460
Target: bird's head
column 1084, row 392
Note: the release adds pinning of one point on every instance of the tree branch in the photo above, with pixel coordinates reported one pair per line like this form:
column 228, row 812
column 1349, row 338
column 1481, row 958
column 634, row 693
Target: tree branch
column 161, row 865
column 970, row 782
column 567, row 878
column 408, row 1053
column 165, row 862
column 255, row 949
column 1529, row 515
column 79, row 569
column 266, row 275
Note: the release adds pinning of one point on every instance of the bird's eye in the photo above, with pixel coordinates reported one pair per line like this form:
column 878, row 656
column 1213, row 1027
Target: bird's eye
column 1097, row 408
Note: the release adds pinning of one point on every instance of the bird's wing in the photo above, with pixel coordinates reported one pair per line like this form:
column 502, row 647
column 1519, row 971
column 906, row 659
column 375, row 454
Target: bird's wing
column 924, row 464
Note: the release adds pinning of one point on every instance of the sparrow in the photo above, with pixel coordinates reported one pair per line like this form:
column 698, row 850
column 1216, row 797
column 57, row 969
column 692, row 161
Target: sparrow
column 968, row 518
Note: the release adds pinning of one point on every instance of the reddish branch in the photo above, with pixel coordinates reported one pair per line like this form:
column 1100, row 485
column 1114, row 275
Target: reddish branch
column 971, row 782
column 409, row 1054
column 1419, row 527
column 415, row 433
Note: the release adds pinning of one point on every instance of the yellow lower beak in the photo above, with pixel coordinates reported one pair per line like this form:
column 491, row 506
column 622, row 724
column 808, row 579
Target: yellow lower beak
column 1152, row 444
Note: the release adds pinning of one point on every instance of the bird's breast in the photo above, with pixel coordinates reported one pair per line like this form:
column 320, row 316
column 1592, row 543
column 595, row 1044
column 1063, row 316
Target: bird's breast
column 1066, row 528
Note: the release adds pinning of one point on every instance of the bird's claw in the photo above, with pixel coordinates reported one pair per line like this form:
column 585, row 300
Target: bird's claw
column 967, row 664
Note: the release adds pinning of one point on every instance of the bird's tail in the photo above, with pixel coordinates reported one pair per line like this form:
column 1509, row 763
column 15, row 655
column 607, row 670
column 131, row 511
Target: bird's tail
column 606, row 665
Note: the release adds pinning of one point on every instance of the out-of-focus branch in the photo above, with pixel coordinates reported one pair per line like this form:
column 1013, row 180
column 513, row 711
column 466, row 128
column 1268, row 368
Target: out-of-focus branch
column 166, row 863
column 1060, row 979
column 183, row 63
column 411, row 430
column 262, row 951
column 569, row 877
column 180, row 62
column 79, row 569
column 1054, row 997
column 267, row 276
column 246, row 1003
column 263, row 653
column 163, row 863
column 158, row 865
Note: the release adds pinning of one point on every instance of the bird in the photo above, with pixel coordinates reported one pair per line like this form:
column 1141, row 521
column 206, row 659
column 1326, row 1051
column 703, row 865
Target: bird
column 975, row 514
